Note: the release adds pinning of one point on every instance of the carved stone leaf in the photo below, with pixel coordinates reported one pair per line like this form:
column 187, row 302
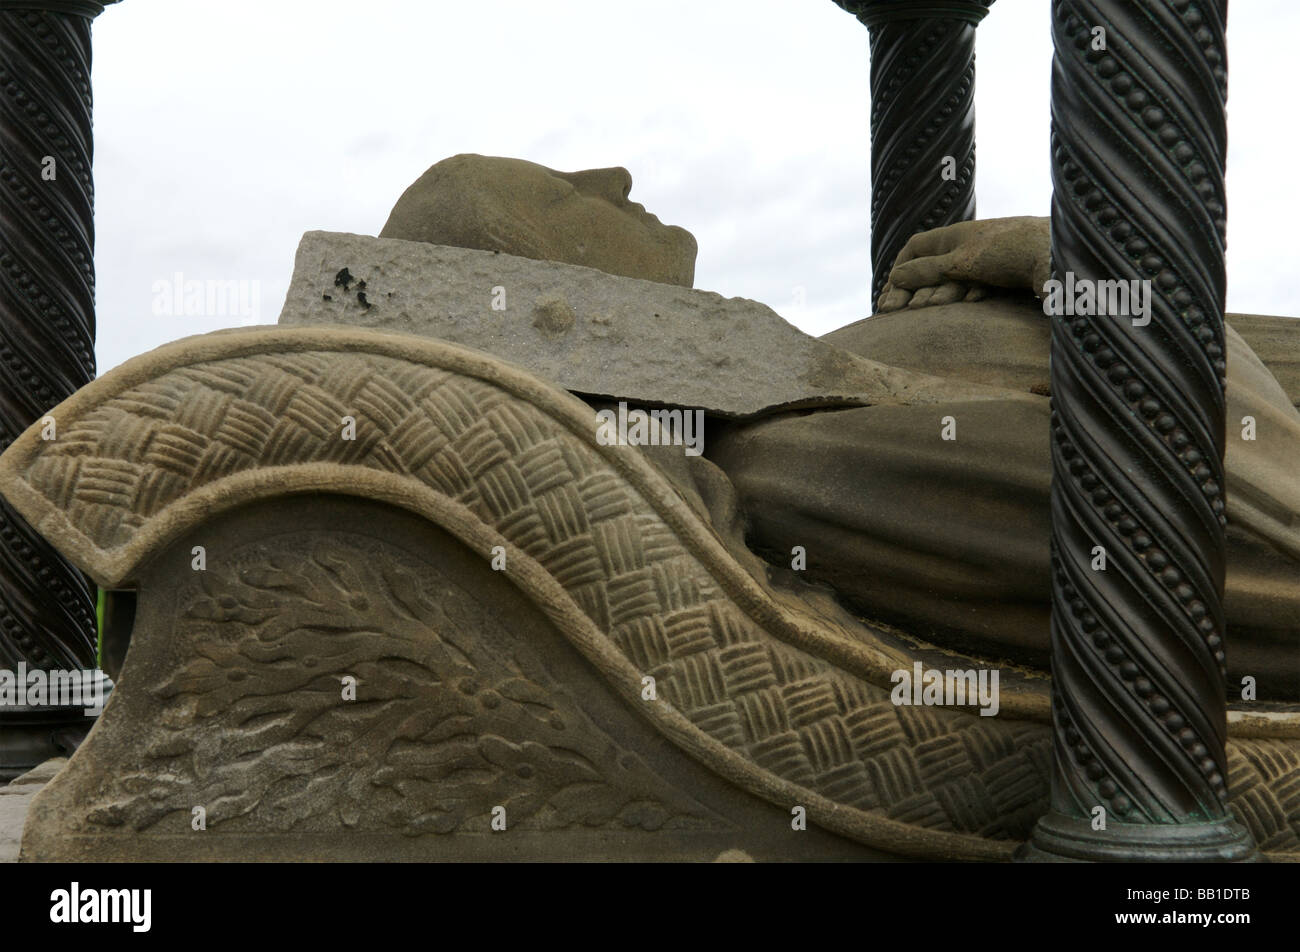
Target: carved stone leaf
column 437, row 736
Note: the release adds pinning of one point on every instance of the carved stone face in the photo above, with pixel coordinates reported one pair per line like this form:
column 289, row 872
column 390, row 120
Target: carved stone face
column 525, row 209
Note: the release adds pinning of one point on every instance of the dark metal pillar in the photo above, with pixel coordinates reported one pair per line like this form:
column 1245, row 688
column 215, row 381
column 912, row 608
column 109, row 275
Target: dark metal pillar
column 1139, row 140
column 922, row 119
column 47, row 334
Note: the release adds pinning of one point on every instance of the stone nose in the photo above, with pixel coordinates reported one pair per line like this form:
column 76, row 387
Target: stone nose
column 611, row 184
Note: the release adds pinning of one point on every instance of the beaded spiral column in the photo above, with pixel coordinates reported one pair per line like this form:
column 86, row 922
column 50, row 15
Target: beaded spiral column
column 47, row 322
column 1139, row 140
column 922, row 119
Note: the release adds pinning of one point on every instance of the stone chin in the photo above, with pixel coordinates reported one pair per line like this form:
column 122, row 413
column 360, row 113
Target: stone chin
column 517, row 207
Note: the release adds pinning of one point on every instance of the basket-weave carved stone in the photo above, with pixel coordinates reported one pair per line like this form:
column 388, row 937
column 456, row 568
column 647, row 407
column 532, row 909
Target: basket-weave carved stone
column 522, row 688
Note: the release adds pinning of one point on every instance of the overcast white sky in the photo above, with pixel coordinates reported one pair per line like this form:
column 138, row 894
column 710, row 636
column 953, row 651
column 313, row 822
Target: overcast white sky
column 225, row 130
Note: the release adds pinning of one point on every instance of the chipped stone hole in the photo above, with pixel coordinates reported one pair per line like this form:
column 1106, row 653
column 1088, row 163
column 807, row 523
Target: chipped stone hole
column 345, row 280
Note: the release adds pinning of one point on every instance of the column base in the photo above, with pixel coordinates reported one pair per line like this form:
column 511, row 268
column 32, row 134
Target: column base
column 1061, row 839
column 32, row 734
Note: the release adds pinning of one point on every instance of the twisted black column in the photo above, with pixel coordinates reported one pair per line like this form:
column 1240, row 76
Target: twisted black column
column 1138, row 149
column 47, row 306
column 922, row 110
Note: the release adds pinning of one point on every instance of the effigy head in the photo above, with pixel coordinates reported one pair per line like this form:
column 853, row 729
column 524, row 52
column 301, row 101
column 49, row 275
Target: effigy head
column 522, row 208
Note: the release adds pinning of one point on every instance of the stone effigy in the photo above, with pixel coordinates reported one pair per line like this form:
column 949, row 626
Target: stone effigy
column 397, row 601
column 965, row 559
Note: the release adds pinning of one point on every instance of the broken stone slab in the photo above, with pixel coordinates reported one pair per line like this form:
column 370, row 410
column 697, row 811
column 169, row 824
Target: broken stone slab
column 595, row 333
